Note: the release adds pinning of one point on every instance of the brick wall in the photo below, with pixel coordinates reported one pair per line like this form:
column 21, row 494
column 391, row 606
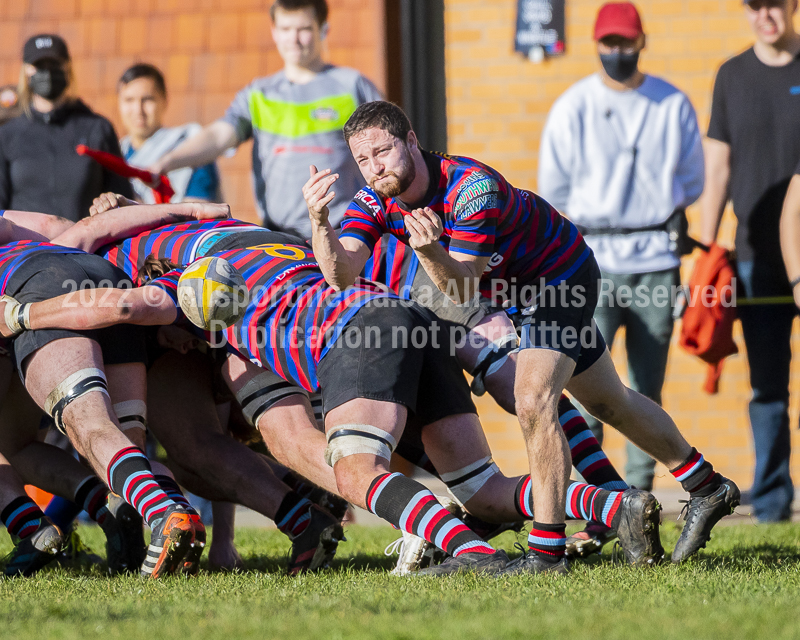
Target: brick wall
column 207, row 49
column 497, row 106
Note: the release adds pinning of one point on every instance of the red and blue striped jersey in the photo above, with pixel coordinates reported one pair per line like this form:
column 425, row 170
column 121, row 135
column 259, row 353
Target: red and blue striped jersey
column 482, row 215
column 13, row 254
column 394, row 264
column 293, row 317
column 179, row 243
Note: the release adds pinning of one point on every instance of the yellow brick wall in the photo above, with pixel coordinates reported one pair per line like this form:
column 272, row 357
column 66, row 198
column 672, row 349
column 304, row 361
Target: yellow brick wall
column 497, row 103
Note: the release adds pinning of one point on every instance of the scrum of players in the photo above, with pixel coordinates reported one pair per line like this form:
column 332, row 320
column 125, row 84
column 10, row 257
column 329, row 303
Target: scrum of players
column 339, row 353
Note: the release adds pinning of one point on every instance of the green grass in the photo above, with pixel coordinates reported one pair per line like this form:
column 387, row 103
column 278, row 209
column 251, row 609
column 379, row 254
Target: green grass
column 747, row 585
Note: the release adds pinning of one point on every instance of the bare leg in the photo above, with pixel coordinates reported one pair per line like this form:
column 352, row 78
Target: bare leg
column 223, row 555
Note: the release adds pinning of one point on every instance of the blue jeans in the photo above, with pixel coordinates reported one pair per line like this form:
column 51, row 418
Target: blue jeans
column 767, row 335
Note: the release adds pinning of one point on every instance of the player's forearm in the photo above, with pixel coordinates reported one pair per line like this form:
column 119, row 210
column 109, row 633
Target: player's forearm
column 790, row 229
column 83, row 310
column 455, row 279
column 334, row 260
column 202, row 148
column 715, row 195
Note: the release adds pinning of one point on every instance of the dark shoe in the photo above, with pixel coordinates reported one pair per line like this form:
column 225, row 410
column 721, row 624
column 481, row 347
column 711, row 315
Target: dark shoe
column 315, row 547
column 332, row 503
column 75, row 554
column 531, row 563
column 489, row 530
column 170, row 540
column 639, row 519
column 701, row 515
column 125, row 547
column 490, row 563
column 35, row 551
column 191, row 562
column 589, row 541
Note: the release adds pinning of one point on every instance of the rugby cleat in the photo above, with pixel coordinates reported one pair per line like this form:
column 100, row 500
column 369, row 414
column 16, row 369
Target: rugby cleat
column 530, row 563
column 123, row 527
column 701, row 514
column 191, row 562
column 170, row 540
column 414, row 553
column 75, row 554
column 487, row 563
column 34, row 552
column 314, row 548
column 589, row 541
column 637, row 529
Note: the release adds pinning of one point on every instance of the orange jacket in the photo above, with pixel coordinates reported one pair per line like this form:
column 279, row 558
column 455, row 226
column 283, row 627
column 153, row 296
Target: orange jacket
column 707, row 329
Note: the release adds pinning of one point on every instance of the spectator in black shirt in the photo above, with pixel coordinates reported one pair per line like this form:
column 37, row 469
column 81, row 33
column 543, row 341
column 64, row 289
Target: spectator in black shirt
column 752, row 150
column 39, row 168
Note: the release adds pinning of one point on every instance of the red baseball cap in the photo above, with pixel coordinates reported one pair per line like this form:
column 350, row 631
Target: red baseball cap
column 618, row 19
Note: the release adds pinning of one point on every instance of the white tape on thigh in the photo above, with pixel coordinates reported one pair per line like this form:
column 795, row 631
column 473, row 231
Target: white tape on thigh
column 466, row 482
column 352, row 439
column 71, row 388
column 132, row 414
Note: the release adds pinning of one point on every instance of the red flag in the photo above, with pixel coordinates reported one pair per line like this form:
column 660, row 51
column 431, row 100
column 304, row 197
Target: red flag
column 162, row 189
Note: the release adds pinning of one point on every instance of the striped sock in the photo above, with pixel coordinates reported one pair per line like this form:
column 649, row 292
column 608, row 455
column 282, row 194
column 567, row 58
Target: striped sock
column 697, row 475
column 523, row 498
column 92, row 495
column 62, row 512
column 130, row 476
column 22, row 517
column 587, row 455
column 592, row 503
column 173, row 491
column 410, row 507
column 293, row 515
column 549, row 541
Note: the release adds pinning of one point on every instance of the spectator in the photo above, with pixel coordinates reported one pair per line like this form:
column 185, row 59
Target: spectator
column 621, row 155
column 295, row 118
column 752, row 150
column 142, row 96
column 39, row 168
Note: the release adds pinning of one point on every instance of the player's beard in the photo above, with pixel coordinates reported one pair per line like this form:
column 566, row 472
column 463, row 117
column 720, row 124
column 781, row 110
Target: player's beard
column 398, row 182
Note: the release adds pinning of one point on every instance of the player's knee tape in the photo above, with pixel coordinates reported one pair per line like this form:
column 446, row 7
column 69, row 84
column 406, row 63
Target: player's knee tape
column 70, row 389
column 466, row 482
column 352, row 439
column 262, row 392
column 16, row 315
column 132, row 414
column 491, row 359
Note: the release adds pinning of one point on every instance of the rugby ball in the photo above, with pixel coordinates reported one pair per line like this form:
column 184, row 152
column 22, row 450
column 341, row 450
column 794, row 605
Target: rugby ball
column 212, row 294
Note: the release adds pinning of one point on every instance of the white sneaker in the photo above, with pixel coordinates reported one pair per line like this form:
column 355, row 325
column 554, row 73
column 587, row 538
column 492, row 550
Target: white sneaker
column 411, row 551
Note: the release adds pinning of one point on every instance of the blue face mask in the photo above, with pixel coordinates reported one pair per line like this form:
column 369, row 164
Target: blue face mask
column 620, row 66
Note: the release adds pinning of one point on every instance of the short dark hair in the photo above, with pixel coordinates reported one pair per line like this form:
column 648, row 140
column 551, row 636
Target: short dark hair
column 144, row 70
column 320, row 8
column 379, row 114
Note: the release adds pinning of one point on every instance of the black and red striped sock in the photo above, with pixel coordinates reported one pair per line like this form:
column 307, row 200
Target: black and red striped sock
column 523, row 498
column 697, row 475
column 588, row 456
column 22, row 517
column 410, row 507
column 593, row 503
column 92, row 495
column 549, row 541
column 130, row 476
column 293, row 514
column 173, row 490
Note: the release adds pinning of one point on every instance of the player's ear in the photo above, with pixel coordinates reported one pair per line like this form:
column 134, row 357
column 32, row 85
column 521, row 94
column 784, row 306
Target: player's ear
column 323, row 31
column 411, row 140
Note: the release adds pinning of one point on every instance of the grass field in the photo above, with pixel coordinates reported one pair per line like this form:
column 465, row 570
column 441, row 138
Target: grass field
column 746, row 586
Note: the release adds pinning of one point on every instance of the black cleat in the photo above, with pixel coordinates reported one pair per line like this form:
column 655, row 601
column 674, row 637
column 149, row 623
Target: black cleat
column 589, row 541
column 531, row 563
column 314, row 548
column 488, row 530
column 171, row 539
column 701, row 515
column 639, row 519
column 490, row 563
column 125, row 546
column 35, row 551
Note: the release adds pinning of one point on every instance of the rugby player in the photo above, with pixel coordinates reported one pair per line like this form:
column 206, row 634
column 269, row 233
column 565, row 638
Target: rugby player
column 476, row 234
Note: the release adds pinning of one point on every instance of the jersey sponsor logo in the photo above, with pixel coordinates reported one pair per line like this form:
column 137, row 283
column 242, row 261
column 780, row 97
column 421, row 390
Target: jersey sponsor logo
column 481, row 203
column 326, row 114
column 287, row 252
column 294, row 269
column 478, row 188
column 369, row 200
column 494, row 261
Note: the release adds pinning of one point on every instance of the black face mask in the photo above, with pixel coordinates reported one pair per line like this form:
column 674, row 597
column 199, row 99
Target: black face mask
column 620, row 66
column 49, row 83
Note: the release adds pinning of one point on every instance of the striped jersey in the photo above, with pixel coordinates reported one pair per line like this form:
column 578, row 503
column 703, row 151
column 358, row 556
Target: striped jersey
column 394, row 264
column 13, row 254
column 483, row 215
column 293, row 316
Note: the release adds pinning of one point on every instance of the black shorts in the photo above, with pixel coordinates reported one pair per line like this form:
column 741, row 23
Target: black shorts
column 48, row 275
column 561, row 319
column 395, row 352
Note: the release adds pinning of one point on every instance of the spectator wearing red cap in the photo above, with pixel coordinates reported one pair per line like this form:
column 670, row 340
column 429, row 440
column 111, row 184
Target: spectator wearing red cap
column 752, row 152
column 621, row 156
column 39, row 168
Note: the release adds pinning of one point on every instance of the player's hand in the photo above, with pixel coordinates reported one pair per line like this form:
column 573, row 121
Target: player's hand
column 316, row 195
column 211, row 211
column 157, row 168
column 108, row 200
column 424, row 228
